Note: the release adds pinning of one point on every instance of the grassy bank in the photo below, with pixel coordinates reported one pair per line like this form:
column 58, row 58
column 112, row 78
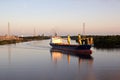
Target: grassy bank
column 9, row 42
column 23, row 39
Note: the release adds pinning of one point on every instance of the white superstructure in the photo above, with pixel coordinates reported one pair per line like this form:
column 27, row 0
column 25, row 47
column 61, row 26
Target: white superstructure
column 56, row 39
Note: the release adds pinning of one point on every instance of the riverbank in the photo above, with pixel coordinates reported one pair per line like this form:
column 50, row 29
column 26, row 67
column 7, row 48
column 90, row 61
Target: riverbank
column 112, row 41
column 23, row 39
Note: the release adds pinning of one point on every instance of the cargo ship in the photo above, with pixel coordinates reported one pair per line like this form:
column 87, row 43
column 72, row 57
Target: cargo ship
column 83, row 47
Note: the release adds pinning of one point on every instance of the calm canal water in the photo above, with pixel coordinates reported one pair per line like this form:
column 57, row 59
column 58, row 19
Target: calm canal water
column 36, row 61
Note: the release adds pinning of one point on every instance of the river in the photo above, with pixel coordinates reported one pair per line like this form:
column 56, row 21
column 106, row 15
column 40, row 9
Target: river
column 35, row 61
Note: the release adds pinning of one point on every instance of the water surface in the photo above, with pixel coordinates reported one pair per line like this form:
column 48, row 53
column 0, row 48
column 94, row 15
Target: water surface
column 36, row 61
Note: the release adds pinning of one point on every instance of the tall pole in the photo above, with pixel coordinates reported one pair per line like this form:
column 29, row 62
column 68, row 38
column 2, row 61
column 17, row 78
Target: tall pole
column 84, row 29
column 34, row 32
column 8, row 29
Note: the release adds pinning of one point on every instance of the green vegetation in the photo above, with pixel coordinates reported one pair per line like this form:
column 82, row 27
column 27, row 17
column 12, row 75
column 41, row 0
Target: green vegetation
column 31, row 38
column 107, row 41
column 112, row 41
column 9, row 42
column 23, row 39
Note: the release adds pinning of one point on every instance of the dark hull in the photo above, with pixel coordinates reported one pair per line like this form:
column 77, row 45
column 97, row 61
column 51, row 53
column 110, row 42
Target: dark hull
column 86, row 57
column 78, row 49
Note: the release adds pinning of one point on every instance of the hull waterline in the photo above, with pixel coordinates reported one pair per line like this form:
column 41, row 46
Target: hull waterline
column 77, row 49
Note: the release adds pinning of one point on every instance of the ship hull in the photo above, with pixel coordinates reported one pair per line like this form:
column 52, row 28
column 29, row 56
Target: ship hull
column 78, row 49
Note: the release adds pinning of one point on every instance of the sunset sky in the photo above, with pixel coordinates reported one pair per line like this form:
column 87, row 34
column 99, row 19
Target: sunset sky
column 63, row 16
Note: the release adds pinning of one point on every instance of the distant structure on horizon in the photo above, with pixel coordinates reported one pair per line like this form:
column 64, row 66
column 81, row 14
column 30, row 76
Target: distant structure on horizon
column 8, row 29
column 34, row 32
column 9, row 36
column 84, row 29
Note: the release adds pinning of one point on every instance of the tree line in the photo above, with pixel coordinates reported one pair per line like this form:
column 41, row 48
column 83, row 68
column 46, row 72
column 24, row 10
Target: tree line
column 109, row 41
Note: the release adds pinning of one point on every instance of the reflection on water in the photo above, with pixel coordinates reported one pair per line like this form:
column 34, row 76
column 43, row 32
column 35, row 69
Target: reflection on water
column 37, row 61
column 58, row 54
column 84, row 63
column 9, row 54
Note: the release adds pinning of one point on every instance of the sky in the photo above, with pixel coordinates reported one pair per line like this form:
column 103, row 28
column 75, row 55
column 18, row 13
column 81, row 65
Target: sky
column 101, row 17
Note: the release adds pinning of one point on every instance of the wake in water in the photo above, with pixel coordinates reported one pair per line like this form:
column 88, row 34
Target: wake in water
column 36, row 45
